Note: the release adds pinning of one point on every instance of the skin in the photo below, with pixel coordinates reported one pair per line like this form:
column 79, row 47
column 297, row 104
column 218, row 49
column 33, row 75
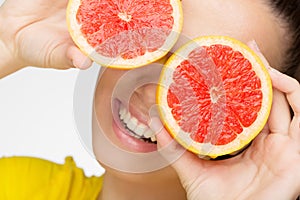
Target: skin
column 268, row 169
column 265, row 167
column 37, row 36
column 246, row 176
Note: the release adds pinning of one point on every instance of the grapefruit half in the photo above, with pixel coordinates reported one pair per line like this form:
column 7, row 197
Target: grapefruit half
column 214, row 95
column 124, row 34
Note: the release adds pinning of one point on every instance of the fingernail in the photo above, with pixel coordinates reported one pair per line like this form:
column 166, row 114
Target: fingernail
column 273, row 70
column 82, row 64
column 254, row 45
column 155, row 124
column 74, row 63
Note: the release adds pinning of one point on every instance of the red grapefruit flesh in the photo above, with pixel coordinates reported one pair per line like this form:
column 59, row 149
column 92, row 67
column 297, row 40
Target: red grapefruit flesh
column 124, row 34
column 215, row 95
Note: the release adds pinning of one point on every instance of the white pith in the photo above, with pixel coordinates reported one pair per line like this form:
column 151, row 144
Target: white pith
column 125, row 17
column 136, row 128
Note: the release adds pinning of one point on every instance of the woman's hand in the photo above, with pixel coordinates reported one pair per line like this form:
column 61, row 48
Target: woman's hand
column 34, row 33
column 268, row 169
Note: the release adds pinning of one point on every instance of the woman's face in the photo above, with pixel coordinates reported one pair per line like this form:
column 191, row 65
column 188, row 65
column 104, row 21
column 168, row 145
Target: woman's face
column 125, row 98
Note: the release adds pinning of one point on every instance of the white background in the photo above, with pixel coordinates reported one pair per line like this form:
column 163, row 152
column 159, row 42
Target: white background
column 36, row 117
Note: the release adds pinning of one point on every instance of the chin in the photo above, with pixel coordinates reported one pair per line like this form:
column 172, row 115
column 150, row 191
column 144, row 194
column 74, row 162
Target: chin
column 162, row 175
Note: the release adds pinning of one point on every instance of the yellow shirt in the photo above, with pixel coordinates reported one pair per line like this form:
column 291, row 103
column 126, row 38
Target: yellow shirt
column 34, row 179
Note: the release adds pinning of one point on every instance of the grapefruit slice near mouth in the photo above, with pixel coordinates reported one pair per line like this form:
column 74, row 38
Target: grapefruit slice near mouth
column 214, row 95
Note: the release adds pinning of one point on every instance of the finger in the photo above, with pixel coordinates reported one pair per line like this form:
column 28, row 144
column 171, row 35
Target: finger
column 77, row 58
column 167, row 146
column 289, row 86
column 282, row 82
column 295, row 128
column 67, row 56
column 253, row 45
column 56, row 57
column 280, row 117
column 186, row 164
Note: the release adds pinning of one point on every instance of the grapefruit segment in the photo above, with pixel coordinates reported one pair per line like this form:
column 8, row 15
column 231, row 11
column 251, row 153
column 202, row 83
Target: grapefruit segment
column 214, row 95
column 124, row 34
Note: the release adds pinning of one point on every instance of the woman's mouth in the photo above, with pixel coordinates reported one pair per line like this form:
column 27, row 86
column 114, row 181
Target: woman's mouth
column 134, row 134
column 135, row 128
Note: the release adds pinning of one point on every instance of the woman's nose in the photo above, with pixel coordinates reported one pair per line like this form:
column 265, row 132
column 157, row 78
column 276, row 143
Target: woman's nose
column 147, row 94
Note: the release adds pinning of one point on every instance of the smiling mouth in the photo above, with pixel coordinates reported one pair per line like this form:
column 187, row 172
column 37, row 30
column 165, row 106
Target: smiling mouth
column 135, row 128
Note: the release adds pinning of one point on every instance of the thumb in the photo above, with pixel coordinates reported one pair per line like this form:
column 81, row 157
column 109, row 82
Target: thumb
column 68, row 56
column 78, row 59
column 184, row 162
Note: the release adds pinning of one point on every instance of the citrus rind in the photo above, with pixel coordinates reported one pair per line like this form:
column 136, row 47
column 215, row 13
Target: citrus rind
column 119, row 62
column 249, row 133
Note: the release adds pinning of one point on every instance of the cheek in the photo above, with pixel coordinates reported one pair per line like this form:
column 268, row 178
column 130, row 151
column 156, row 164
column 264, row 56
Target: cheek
column 102, row 104
column 106, row 84
column 103, row 98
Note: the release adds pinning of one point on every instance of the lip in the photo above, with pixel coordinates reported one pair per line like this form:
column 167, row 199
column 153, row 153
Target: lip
column 130, row 142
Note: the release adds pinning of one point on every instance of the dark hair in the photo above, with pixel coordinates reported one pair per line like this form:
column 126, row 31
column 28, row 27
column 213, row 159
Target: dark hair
column 289, row 11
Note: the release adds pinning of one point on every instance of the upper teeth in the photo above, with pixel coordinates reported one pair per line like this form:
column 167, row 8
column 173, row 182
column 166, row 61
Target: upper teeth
column 138, row 129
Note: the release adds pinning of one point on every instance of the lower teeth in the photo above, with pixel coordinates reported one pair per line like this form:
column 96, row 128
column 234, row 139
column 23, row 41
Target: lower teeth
column 147, row 140
column 133, row 134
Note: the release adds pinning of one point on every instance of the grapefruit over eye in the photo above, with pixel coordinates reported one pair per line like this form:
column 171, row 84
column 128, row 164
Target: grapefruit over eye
column 214, row 95
column 124, row 34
